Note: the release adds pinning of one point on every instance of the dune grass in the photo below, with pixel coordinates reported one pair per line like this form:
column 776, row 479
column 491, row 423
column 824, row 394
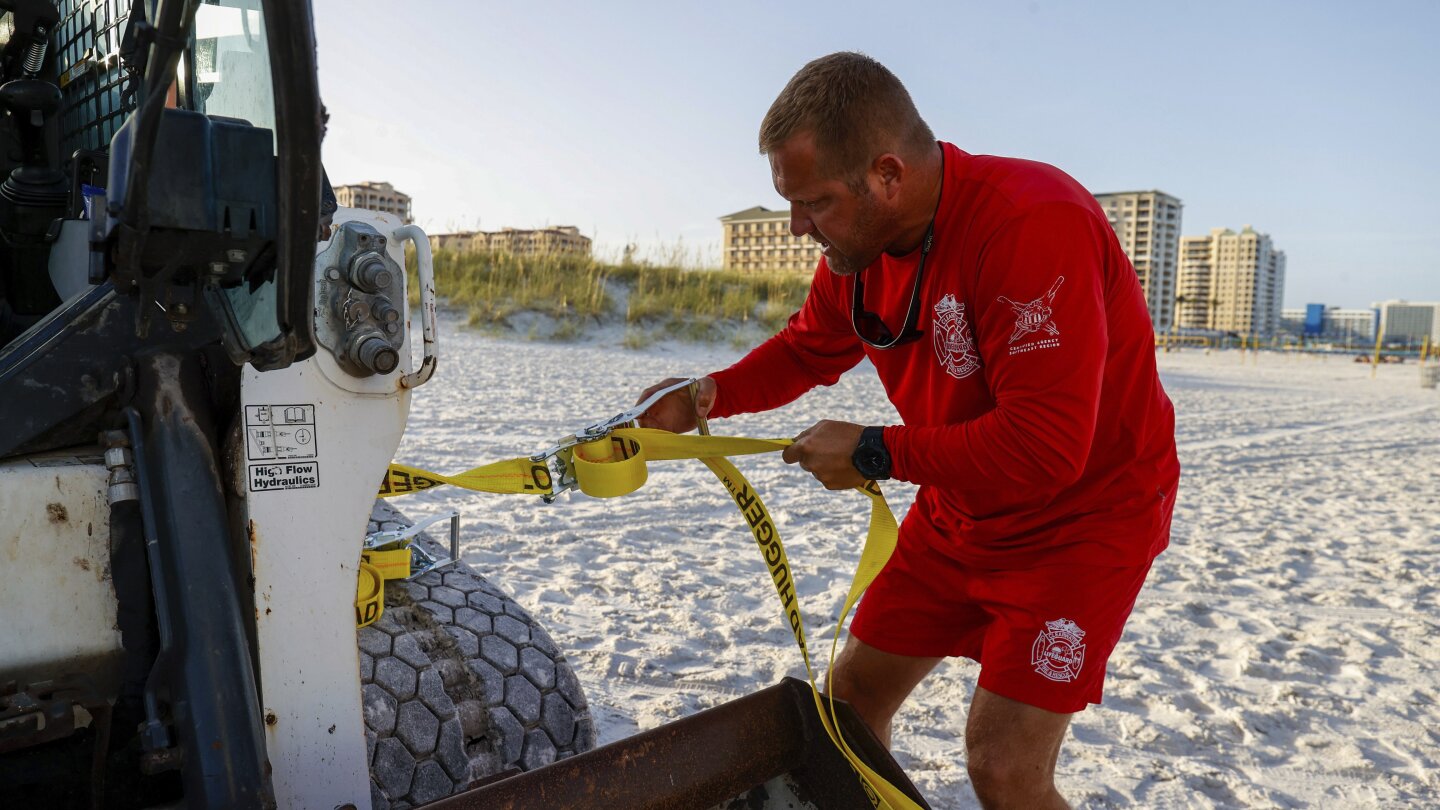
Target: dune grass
column 663, row 302
column 495, row 286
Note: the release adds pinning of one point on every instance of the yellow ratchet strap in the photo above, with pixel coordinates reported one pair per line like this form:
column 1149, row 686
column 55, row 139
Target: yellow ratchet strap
column 616, row 465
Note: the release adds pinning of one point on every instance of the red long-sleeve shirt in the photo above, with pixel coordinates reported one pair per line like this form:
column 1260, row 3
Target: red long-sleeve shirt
column 1034, row 419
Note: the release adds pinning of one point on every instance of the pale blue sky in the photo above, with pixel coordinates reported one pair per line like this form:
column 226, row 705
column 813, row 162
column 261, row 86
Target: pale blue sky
column 1315, row 122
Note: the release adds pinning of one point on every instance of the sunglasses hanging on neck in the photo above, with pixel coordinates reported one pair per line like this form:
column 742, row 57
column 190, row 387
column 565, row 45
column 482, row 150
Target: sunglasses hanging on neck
column 868, row 326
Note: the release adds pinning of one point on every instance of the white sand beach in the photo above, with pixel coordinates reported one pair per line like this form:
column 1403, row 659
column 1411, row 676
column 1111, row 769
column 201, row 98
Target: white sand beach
column 1284, row 653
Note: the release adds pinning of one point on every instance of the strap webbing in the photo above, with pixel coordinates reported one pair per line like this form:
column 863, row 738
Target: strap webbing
column 617, row 465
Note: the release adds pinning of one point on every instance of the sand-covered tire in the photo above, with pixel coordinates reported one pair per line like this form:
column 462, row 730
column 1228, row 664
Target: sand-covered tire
column 460, row 683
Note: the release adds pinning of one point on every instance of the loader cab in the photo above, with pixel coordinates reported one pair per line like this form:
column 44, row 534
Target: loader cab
column 232, row 155
column 161, row 175
column 92, row 121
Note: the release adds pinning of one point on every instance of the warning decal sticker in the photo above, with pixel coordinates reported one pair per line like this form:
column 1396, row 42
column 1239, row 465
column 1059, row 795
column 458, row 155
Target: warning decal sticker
column 280, row 436
column 279, row 431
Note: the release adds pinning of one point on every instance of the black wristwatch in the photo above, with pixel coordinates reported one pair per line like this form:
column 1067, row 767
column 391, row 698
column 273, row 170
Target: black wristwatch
column 870, row 456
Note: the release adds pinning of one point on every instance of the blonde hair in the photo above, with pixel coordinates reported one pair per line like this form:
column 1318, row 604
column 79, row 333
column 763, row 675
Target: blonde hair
column 855, row 108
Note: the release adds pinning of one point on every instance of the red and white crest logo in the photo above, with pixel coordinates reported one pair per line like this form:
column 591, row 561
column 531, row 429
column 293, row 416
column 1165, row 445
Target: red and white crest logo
column 954, row 344
column 1057, row 653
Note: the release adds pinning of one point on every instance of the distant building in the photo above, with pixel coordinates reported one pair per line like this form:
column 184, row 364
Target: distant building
column 758, row 239
column 1349, row 325
column 458, row 242
column 1329, row 323
column 380, row 197
column 1147, row 224
column 1230, row 282
column 1292, row 321
column 560, row 239
column 1194, row 299
column 1409, row 322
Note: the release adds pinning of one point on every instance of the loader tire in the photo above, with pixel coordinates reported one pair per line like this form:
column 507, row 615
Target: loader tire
column 460, row 683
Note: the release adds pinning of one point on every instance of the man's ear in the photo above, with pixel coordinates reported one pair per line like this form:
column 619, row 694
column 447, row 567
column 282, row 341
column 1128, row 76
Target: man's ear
column 889, row 169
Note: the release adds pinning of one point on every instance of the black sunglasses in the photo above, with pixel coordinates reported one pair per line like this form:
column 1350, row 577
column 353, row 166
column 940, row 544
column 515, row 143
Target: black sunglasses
column 868, row 326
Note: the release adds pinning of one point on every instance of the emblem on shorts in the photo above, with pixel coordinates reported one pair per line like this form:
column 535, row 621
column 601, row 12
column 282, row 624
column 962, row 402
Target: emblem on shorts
column 1034, row 316
column 954, row 344
column 1058, row 653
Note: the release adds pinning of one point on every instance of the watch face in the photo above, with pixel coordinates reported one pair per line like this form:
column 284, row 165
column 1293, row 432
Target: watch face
column 870, row 462
column 871, row 459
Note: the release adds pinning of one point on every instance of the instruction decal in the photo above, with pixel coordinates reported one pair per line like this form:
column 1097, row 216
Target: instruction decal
column 279, row 431
column 281, row 437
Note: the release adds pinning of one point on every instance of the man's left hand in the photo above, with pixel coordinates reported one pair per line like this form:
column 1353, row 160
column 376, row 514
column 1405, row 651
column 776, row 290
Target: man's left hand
column 824, row 450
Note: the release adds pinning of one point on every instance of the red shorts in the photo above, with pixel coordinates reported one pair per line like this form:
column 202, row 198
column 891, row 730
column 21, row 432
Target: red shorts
column 1041, row 635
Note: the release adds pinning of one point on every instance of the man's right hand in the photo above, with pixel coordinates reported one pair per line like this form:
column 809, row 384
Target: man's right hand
column 676, row 412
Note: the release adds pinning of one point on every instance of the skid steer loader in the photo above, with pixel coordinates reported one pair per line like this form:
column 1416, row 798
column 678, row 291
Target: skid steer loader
column 204, row 375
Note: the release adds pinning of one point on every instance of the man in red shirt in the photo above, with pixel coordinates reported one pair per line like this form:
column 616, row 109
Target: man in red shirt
column 1009, row 330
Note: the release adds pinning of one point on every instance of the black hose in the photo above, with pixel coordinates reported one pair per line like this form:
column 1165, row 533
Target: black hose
column 155, row 735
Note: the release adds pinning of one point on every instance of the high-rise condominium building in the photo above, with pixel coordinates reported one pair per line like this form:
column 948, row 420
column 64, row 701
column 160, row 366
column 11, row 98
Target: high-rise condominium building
column 1230, row 282
column 1409, row 322
column 758, row 239
column 380, row 197
column 1148, row 226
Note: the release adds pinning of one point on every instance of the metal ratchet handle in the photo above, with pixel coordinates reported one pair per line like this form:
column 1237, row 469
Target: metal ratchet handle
column 430, row 561
column 621, row 419
column 426, row 263
column 596, row 430
column 379, row 540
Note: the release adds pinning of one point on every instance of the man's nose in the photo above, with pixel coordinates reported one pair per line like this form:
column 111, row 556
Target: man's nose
column 800, row 223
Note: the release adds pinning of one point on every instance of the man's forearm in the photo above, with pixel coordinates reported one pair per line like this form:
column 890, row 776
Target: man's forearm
column 1018, row 446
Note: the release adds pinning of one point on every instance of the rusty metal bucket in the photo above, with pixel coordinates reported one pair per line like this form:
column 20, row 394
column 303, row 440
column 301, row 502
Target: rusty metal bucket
column 765, row 751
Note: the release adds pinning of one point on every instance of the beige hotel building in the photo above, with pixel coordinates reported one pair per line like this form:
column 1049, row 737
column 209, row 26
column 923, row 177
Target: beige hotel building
column 1147, row 223
column 521, row 242
column 759, row 240
column 1231, row 282
column 380, row 197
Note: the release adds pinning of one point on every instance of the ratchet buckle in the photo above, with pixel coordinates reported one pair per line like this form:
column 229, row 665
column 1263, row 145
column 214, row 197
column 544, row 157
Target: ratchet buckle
column 560, row 457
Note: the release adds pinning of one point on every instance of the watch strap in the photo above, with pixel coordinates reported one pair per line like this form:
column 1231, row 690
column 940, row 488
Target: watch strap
column 872, row 457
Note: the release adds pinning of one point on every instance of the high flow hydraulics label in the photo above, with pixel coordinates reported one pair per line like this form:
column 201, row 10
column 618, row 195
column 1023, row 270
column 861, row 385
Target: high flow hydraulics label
column 281, row 438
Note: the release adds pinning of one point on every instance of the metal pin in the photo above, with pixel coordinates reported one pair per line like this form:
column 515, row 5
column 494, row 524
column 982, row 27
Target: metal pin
column 455, row 537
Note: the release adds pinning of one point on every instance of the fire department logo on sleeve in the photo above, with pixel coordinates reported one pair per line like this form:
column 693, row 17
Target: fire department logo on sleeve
column 1035, row 316
column 1057, row 653
column 954, row 344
